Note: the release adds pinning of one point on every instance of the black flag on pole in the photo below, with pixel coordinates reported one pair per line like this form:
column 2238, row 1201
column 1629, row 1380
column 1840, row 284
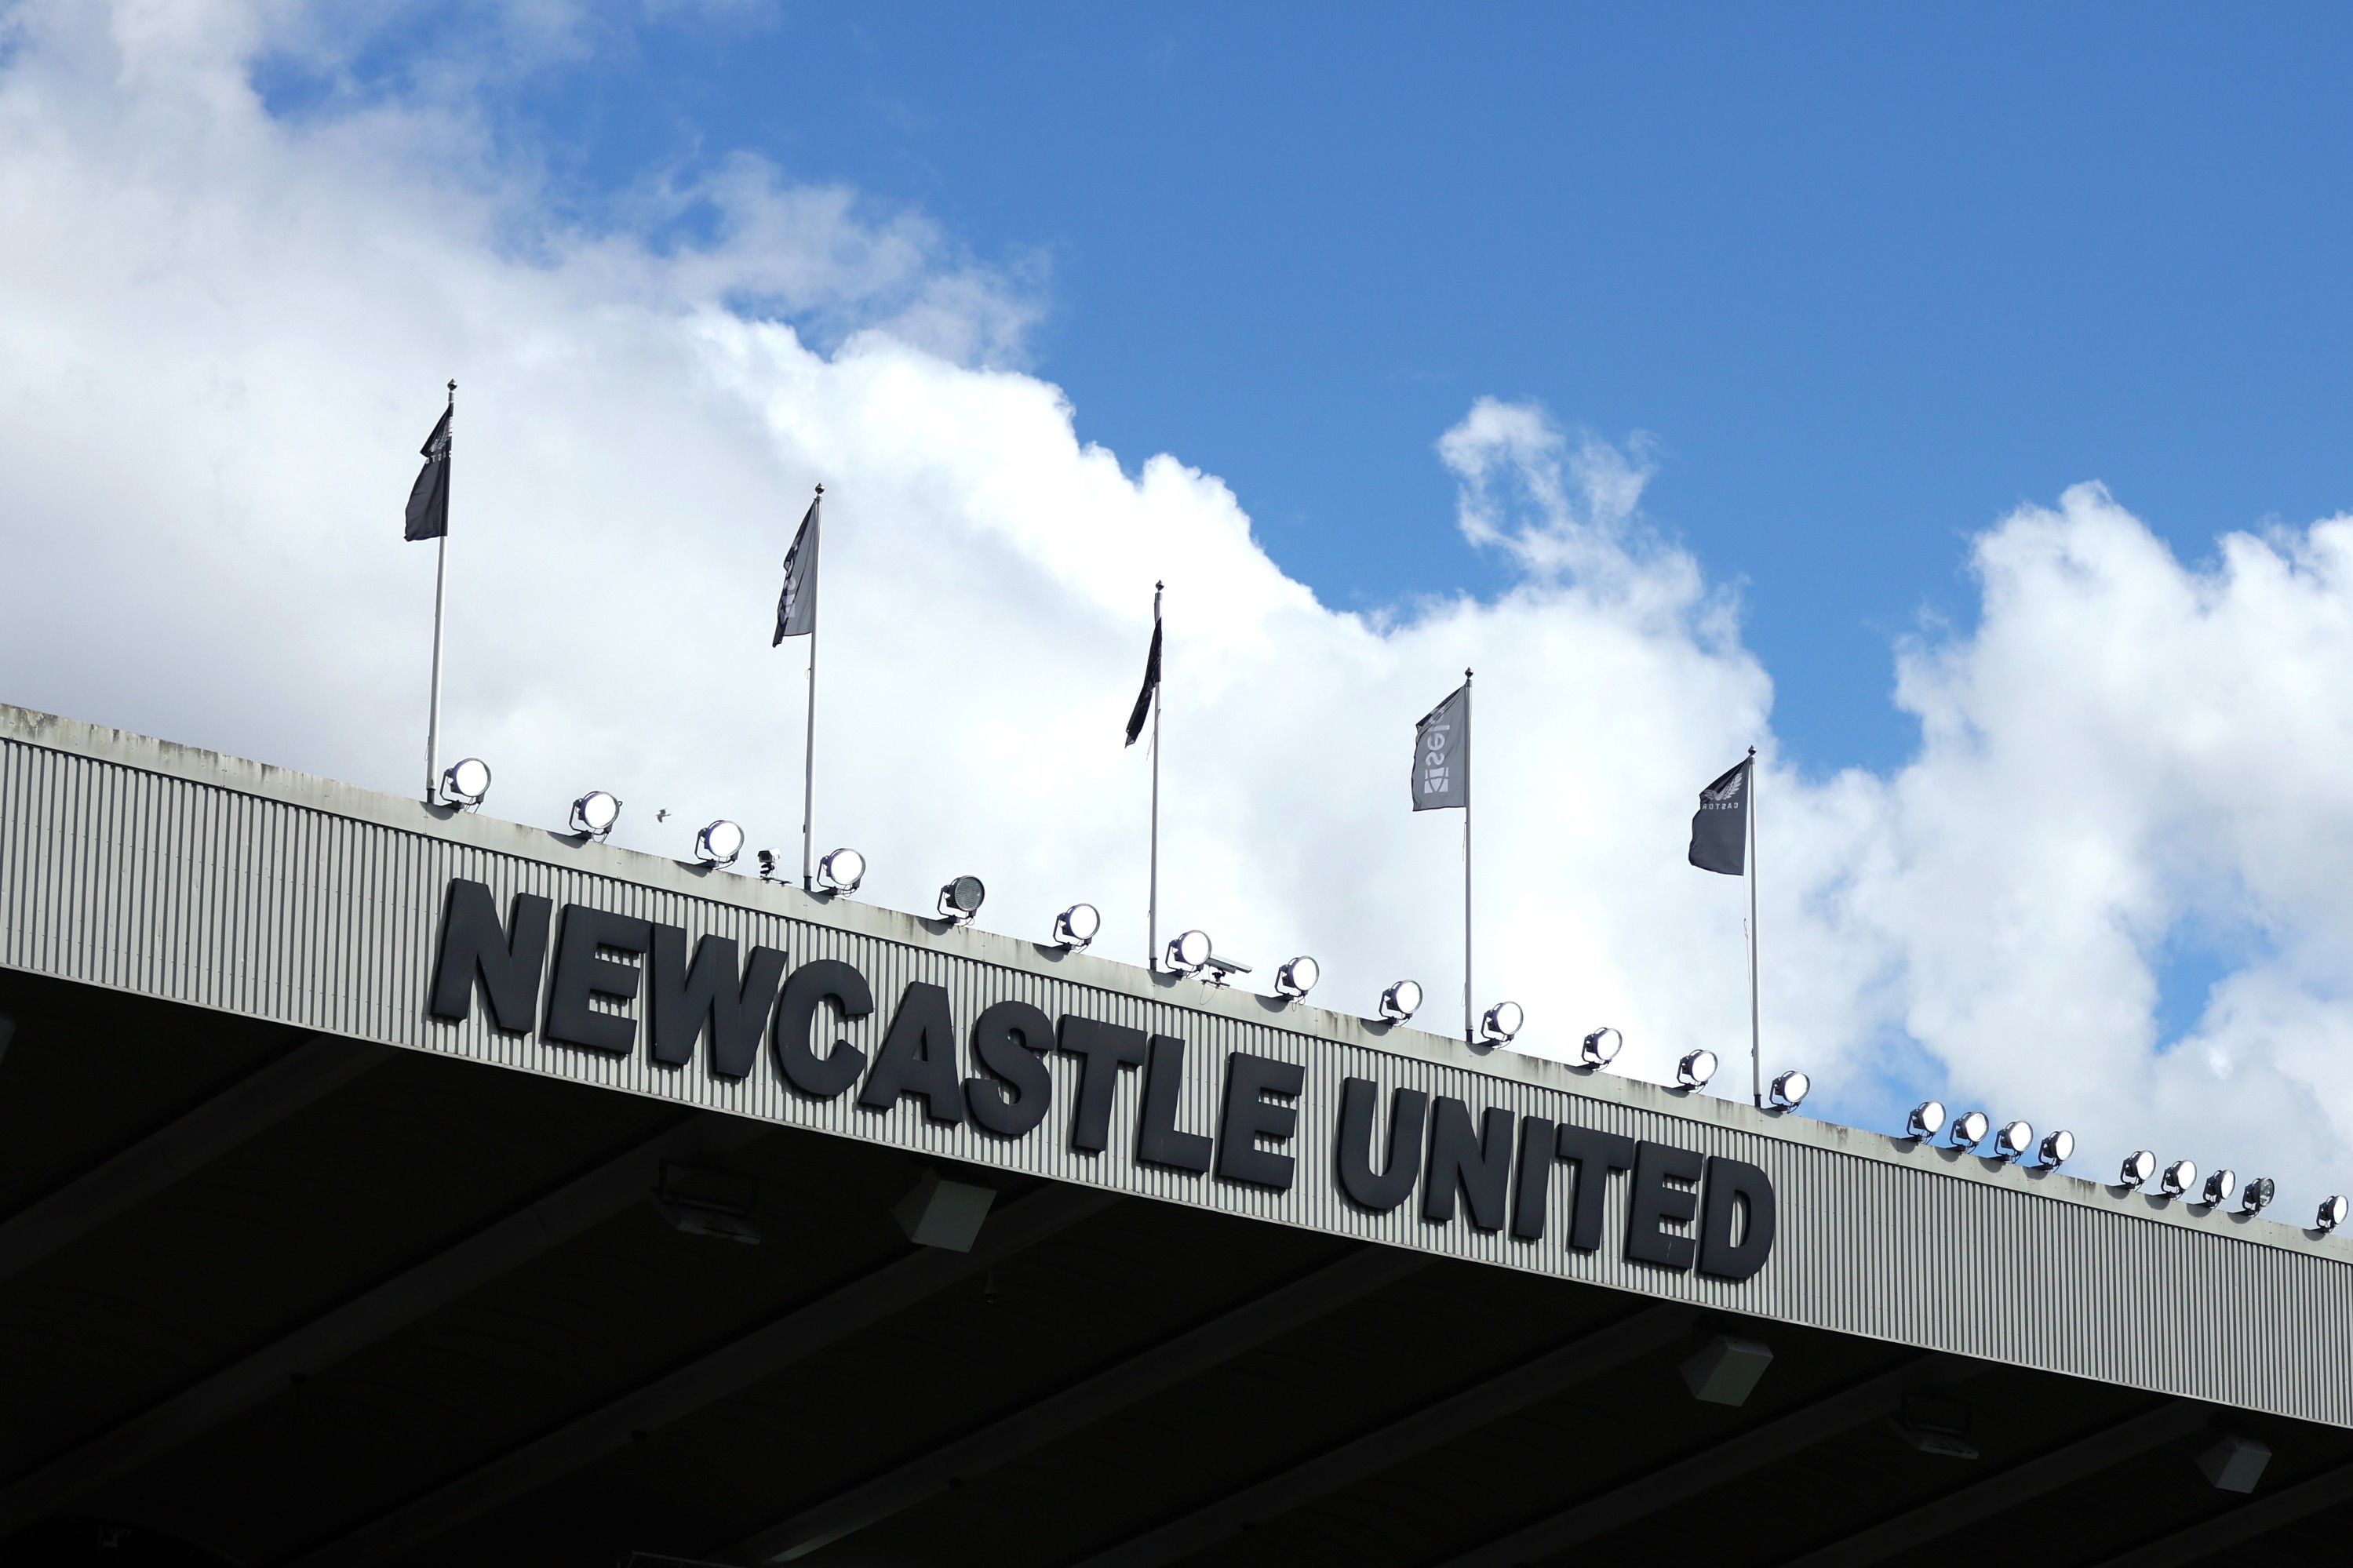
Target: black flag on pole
column 797, row 606
column 1720, row 827
column 1441, row 754
column 429, row 498
column 1151, row 684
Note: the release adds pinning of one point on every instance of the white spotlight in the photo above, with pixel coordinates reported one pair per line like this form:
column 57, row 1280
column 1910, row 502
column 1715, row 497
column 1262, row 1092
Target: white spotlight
column 466, row 783
column 1298, row 977
column 1502, row 1022
column 1187, row 953
column 1928, row 1120
column 1695, row 1069
column 593, row 814
column 2219, row 1187
column 1401, row 1001
column 2014, row 1140
column 2256, row 1195
column 1969, row 1129
column 1601, row 1047
column 2178, row 1178
column 960, row 900
column 1076, row 926
column 2056, row 1149
column 841, row 870
column 1789, row 1090
column 2332, row 1212
column 2138, row 1167
column 719, row 843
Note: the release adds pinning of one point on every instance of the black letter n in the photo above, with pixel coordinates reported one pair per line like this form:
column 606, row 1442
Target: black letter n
column 508, row 962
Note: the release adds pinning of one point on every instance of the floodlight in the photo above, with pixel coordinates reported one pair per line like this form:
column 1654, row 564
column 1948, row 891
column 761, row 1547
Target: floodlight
column 2219, row 1187
column 1600, row 1047
column 1695, row 1069
column 1076, row 926
column 960, row 900
column 1298, row 977
column 2256, row 1195
column 2332, row 1212
column 1790, row 1090
column 2055, row 1149
column 1928, row 1120
column 2137, row 1168
column 719, row 843
column 1969, row 1129
column 593, row 814
column 2014, row 1140
column 1401, row 1001
column 1503, row 1021
column 2178, row 1178
column 466, row 783
column 1187, row 953
column 841, row 870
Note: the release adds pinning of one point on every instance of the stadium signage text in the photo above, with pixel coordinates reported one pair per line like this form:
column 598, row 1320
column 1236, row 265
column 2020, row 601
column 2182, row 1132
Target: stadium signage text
column 1683, row 1210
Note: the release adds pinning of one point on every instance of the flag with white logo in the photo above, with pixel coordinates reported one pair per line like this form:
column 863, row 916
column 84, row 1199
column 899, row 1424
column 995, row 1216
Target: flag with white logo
column 1441, row 754
column 797, row 606
column 1719, row 841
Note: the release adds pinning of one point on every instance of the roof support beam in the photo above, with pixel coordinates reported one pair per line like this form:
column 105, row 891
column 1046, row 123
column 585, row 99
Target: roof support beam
column 1578, row 1362
column 1354, row 1276
column 1686, row 1479
column 503, row 1245
column 774, row 1345
column 253, row 1104
column 2242, row 1523
column 2064, row 1466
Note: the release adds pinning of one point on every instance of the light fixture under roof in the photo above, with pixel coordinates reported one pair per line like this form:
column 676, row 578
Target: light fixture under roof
column 466, row 782
column 1969, row 1129
column 1076, row 926
column 1502, row 1023
column 2256, row 1195
column 2056, row 1150
column 841, row 870
column 2178, row 1178
column 1600, row 1048
column 593, row 814
column 1789, row 1091
column 719, row 843
column 1401, row 1001
column 1189, row 951
column 2331, row 1214
column 1695, row 1069
column 960, row 900
column 2138, row 1167
column 1298, row 977
column 2219, row 1187
column 1928, row 1120
column 2014, row 1140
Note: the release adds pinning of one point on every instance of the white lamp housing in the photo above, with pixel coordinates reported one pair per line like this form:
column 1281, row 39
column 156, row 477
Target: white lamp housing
column 1969, row 1129
column 2014, row 1140
column 841, row 870
column 1600, row 1047
column 1076, row 926
column 466, row 782
column 2056, row 1150
column 2178, row 1178
column 1928, row 1120
column 1695, row 1069
column 2331, row 1214
column 1298, row 977
column 1187, row 953
column 2138, row 1167
column 593, row 814
column 1789, row 1091
column 1502, row 1022
column 719, row 843
column 1401, row 1001
column 2256, row 1195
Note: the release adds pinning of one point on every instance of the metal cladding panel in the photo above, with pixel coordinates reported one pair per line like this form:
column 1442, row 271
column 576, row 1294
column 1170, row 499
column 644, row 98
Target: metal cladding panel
column 132, row 865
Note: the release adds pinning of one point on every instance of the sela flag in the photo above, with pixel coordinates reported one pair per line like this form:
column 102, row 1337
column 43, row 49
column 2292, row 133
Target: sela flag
column 797, row 606
column 1151, row 684
column 1720, row 827
column 1441, row 754
column 429, row 498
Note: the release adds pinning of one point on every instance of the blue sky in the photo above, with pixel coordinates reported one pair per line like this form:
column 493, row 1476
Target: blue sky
column 1868, row 276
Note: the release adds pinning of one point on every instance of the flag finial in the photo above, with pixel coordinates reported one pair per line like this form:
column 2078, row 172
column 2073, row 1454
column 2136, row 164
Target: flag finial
column 820, row 490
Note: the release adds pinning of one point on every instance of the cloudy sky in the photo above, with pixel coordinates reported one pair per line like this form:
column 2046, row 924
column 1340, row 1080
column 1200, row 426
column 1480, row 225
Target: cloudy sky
column 1952, row 410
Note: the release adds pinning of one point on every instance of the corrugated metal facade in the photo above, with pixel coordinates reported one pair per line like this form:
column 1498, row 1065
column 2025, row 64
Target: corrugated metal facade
column 132, row 864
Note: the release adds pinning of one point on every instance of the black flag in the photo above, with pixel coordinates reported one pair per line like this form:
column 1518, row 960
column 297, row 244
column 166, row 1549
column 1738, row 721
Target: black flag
column 429, row 498
column 797, row 606
column 1151, row 684
column 1720, row 826
column 1441, row 754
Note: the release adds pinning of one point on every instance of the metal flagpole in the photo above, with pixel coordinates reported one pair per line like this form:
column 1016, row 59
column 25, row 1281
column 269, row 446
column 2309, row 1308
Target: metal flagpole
column 1469, row 1035
column 440, row 610
column 808, row 749
column 1151, row 896
column 1755, row 1057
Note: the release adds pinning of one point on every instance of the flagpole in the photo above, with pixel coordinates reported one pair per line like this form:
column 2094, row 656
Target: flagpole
column 1469, row 1035
column 1152, row 895
column 440, row 611
column 809, row 756
column 1756, row 1055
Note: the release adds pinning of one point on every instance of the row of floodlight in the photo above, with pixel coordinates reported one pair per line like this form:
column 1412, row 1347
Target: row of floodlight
column 2014, row 1139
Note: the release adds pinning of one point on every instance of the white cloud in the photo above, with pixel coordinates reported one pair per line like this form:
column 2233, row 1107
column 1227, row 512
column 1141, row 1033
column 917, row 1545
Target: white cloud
column 228, row 332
